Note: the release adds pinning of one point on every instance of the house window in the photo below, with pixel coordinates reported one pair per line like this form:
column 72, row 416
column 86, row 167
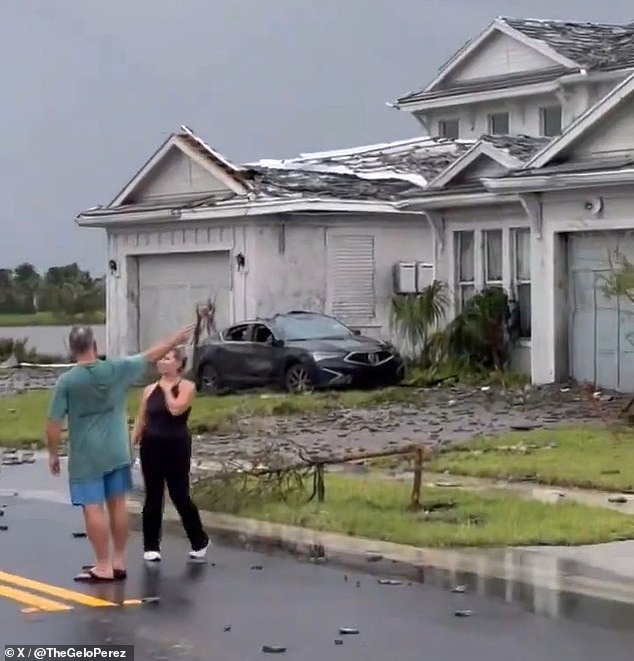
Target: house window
column 550, row 121
column 465, row 267
column 522, row 278
column 499, row 123
column 449, row 128
column 352, row 271
column 492, row 258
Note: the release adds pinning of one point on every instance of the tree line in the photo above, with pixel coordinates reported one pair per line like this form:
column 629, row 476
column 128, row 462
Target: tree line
column 62, row 290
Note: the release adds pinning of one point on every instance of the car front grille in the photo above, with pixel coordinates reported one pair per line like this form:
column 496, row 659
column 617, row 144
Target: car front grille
column 371, row 358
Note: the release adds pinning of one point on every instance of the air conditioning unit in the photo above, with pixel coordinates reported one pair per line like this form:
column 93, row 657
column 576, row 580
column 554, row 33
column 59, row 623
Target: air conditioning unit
column 404, row 278
column 425, row 275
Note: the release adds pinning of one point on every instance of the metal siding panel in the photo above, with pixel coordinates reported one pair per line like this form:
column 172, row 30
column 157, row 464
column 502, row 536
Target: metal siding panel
column 171, row 285
column 352, row 263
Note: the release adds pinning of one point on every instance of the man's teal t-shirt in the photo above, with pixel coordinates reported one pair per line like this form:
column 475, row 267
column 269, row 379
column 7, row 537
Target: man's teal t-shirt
column 93, row 396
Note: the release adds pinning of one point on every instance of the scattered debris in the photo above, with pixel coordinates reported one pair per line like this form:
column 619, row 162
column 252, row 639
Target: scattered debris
column 358, row 585
column 227, row 627
column 338, row 641
column 256, row 567
column 273, row 649
column 150, row 600
column 346, row 631
column 79, row 534
column 373, row 557
column 4, row 528
column 389, row 581
column 463, row 613
column 620, row 500
column 459, row 589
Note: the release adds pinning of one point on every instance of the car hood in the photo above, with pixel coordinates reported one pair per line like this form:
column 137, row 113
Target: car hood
column 343, row 345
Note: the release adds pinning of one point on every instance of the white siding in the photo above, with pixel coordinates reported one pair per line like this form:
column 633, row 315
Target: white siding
column 126, row 246
column 614, row 134
column 292, row 271
column 481, row 167
column 177, row 176
column 499, row 55
column 524, row 112
column 291, row 268
column 524, row 115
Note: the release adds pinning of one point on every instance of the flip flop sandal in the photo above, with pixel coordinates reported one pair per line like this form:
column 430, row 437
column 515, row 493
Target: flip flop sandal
column 118, row 574
column 89, row 576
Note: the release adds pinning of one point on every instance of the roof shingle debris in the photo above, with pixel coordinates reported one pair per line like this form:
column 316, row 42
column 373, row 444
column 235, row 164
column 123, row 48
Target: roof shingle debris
column 591, row 46
column 386, row 172
column 599, row 46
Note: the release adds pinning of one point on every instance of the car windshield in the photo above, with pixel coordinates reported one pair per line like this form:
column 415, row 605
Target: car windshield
column 310, row 327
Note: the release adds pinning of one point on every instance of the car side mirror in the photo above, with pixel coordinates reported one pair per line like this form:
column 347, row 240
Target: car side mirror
column 356, row 331
column 277, row 343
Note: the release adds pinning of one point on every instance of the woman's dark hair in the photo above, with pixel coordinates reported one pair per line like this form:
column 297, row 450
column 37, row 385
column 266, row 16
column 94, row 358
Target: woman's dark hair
column 181, row 356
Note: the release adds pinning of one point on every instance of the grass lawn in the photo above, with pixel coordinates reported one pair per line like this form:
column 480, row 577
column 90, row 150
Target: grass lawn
column 49, row 319
column 22, row 417
column 591, row 457
column 378, row 508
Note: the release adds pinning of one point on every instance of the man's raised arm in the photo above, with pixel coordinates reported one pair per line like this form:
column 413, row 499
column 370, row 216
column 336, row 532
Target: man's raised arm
column 160, row 349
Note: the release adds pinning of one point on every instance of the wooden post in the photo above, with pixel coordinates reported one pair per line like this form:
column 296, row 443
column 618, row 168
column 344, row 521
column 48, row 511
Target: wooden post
column 418, row 478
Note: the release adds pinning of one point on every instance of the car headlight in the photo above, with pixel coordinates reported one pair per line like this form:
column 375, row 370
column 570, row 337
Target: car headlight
column 319, row 356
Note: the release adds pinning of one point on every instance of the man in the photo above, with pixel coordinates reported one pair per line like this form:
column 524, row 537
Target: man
column 92, row 395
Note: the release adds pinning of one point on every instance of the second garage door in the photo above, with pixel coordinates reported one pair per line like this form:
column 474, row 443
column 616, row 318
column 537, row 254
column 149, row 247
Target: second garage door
column 601, row 326
column 170, row 287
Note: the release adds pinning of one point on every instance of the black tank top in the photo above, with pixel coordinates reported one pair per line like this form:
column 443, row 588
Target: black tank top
column 159, row 422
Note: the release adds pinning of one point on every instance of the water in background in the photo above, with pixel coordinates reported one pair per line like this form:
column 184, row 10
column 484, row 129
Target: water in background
column 50, row 340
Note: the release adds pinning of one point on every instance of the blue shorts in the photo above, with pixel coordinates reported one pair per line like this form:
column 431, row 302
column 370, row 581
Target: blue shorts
column 94, row 492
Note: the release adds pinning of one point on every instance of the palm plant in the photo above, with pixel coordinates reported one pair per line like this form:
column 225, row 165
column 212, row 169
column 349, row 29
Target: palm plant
column 415, row 317
column 478, row 335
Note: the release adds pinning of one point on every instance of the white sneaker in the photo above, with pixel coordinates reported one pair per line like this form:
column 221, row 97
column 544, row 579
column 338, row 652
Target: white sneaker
column 201, row 553
column 152, row 556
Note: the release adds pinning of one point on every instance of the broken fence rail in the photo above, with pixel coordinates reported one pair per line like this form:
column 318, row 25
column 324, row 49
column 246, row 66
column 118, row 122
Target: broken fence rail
column 418, row 452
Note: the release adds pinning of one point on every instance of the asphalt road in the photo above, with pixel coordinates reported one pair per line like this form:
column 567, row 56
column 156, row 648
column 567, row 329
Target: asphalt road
column 300, row 606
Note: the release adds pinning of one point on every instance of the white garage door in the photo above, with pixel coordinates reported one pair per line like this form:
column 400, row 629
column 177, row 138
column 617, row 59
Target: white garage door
column 601, row 326
column 170, row 287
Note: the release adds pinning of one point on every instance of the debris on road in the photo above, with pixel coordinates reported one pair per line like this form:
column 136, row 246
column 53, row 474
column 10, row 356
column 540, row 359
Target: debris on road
column 273, row 649
column 346, row 631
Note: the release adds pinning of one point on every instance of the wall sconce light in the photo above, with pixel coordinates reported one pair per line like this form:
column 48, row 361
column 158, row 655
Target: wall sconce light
column 240, row 261
column 113, row 267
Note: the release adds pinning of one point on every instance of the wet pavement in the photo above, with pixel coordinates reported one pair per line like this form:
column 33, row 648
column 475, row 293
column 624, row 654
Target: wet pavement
column 228, row 609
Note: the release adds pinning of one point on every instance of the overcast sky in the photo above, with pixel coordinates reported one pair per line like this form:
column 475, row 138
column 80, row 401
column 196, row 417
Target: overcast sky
column 91, row 88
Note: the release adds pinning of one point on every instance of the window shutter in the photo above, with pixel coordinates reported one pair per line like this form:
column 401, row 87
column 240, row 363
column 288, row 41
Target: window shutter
column 352, row 273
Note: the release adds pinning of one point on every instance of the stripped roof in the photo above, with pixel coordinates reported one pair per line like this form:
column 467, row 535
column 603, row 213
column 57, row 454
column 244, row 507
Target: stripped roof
column 595, row 46
column 202, row 148
column 382, row 168
column 521, row 147
column 591, row 45
column 386, row 172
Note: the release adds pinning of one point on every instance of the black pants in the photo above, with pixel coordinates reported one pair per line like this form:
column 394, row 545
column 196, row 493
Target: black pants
column 167, row 462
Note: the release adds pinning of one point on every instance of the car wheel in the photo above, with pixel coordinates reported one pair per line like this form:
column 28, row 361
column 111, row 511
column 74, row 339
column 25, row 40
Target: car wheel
column 297, row 379
column 209, row 381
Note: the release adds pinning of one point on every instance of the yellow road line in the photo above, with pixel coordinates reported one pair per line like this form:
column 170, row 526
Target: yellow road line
column 34, row 601
column 54, row 590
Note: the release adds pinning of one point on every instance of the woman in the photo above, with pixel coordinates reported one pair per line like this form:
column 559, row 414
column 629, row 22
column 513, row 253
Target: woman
column 165, row 454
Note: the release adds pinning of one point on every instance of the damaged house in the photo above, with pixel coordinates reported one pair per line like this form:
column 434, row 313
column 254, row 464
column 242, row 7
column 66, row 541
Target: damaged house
column 524, row 180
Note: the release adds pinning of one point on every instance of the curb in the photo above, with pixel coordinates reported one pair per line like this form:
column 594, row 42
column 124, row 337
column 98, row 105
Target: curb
column 445, row 567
